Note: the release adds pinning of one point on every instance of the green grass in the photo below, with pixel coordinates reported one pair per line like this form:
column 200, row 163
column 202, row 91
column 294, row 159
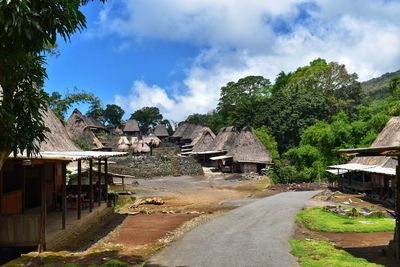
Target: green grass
column 323, row 253
column 317, row 219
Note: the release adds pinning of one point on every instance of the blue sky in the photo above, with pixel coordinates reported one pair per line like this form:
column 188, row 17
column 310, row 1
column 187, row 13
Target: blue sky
column 177, row 54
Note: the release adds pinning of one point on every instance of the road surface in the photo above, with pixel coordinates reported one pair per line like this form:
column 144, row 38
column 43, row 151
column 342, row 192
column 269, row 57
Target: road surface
column 255, row 234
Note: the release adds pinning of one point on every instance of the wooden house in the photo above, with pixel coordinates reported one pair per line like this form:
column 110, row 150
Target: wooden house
column 372, row 175
column 185, row 133
column 86, row 129
column 131, row 128
column 248, row 154
column 161, row 132
column 200, row 143
column 34, row 195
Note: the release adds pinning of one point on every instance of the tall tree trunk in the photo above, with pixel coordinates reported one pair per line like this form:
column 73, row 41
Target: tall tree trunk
column 3, row 157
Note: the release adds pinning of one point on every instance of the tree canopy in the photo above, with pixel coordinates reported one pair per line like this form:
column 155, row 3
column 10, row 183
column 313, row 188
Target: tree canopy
column 147, row 117
column 29, row 28
column 113, row 115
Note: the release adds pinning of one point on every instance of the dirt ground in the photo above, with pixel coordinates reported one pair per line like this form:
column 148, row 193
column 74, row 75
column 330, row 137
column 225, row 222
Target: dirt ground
column 371, row 246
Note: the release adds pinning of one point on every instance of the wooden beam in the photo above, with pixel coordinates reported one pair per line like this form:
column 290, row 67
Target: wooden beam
column 1, row 188
column 99, row 180
column 23, row 188
column 397, row 210
column 106, row 181
column 43, row 204
column 64, row 194
column 90, row 185
column 79, row 188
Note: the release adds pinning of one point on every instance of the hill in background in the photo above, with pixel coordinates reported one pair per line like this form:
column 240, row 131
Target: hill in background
column 379, row 87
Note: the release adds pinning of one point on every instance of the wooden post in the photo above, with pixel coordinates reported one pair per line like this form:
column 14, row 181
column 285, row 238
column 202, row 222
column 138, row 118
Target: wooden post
column 64, row 193
column 23, row 188
column 90, row 185
column 397, row 210
column 106, row 180
column 123, row 183
column 79, row 188
column 99, row 180
column 1, row 189
column 42, row 245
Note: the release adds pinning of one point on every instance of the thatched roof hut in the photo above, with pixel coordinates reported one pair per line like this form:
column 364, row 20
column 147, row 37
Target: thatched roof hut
column 57, row 139
column 180, row 130
column 161, row 131
column 191, row 132
column 123, row 144
column 203, row 140
column 131, row 127
column 247, row 148
column 224, row 140
column 78, row 128
column 389, row 136
column 152, row 140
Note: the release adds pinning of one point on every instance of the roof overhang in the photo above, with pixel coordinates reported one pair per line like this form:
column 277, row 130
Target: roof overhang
column 372, row 151
column 71, row 155
column 221, row 157
column 344, row 168
column 210, row 152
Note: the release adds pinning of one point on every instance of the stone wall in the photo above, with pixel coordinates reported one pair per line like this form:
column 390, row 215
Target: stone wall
column 163, row 163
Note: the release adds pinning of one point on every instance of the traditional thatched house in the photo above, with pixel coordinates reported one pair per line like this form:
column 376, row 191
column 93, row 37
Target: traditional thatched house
column 200, row 143
column 34, row 194
column 185, row 133
column 222, row 143
column 372, row 175
column 248, row 154
column 179, row 131
column 132, row 128
column 83, row 129
column 161, row 132
column 152, row 140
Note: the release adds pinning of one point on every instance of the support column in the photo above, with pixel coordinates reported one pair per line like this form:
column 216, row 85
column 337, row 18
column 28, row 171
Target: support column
column 99, row 180
column 90, row 185
column 79, row 188
column 23, row 188
column 64, row 193
column 108, row 201
column 397, row 210
column 42, row 231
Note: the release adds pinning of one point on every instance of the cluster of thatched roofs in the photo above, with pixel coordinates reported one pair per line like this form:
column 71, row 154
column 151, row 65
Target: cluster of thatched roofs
column 241, row 146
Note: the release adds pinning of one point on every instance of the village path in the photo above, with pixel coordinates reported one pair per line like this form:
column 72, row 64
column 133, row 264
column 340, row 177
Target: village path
column 255, row 234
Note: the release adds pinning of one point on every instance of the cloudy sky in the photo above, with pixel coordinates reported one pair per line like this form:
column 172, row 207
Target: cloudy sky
column 177, row 54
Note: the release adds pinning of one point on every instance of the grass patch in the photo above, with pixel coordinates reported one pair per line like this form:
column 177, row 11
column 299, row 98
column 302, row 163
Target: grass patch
column 323, row 253
column 317, row 219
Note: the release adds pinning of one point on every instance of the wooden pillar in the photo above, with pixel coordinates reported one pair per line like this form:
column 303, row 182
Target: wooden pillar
column 64, row 193
column 99, row 180
column 90, row 185
column 23, row 188
column 42, row 231
column 106, row 181
column 79, row 188
column 1, row 189
column 397, row 210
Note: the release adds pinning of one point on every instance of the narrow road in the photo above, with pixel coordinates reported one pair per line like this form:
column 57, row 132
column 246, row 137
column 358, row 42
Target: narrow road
column 256, row 234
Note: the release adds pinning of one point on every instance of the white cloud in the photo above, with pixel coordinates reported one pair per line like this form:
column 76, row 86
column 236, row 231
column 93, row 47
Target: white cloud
column 239, row 38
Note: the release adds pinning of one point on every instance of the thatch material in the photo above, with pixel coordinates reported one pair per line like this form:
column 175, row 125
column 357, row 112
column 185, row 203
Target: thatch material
column 79, row 129
column 224, row 140
column 57, row 139
column 161, row 131
column 389, row 136
column 131, row 127
column 191, row 132
column 203, row 140
column 247, row 148
column 152, row 140
column 180, row 130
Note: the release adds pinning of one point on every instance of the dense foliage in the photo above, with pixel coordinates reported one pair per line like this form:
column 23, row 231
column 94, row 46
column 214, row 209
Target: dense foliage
column 147, row 117
column 28, row 29
column 306, row 116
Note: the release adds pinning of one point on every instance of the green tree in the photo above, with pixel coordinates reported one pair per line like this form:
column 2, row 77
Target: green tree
column 268, row 140
column 147, row 118
column 29, row 28
column 240, row 101
column 113, row 115
column 60, row 104
column 96, row 110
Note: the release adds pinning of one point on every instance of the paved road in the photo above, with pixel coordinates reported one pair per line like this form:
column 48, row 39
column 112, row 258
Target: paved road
column 256, row 234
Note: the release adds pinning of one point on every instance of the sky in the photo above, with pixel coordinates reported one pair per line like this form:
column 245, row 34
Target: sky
column 176, row 55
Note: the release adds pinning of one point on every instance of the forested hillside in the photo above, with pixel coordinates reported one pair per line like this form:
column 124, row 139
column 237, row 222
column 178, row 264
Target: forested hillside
column 306, row 115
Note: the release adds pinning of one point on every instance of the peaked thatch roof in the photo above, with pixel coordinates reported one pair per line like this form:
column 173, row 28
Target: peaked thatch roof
column 78, row 128
column 57, row 139
column 249, row 149
column 203, row 140
column 224, row 140
column 191, row 131
column 131, row 126
column 389, row 136
column 161, row 131
column 180, row 130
